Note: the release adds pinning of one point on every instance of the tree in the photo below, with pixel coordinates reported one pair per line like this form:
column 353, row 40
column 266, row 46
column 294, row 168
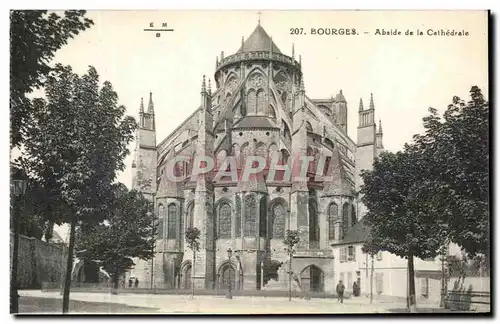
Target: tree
column 35, row 36
column 456, row 149
column 193, row 241
column 76, row 142
column 127, row 232
column 396, row 198
column 291, row 240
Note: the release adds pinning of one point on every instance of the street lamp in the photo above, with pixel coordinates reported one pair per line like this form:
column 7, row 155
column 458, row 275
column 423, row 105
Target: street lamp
column 229, row 294
column 18, row 187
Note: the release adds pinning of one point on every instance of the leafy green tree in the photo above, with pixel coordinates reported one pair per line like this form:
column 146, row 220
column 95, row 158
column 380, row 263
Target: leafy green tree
column 76, row 143
column 400, row 220
column 193, row 242
column 456, row 150
column 128, row 231
column 35, row 36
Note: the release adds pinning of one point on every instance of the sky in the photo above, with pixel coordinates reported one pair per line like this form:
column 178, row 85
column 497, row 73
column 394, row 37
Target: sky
column 406, row 74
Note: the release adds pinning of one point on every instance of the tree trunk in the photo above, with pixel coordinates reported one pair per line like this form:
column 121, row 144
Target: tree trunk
column 115, row 282
column 411, row 285
column 69, row 266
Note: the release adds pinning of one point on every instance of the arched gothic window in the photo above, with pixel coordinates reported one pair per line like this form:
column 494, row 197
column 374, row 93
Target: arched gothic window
column 172, row 221
column 225, row 220
column 278, row 225
column 161, row 220
column 250, row 216
column 237, row 218
column 345, row 219
column 333, row 212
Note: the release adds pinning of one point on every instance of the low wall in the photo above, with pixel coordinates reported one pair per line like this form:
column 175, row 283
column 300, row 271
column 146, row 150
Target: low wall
column 39, row 262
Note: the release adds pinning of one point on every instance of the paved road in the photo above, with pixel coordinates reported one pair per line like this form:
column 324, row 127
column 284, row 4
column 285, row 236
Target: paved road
column 37, row 301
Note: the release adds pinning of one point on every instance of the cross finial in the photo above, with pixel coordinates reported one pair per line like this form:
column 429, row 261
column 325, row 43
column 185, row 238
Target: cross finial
column 258, row 15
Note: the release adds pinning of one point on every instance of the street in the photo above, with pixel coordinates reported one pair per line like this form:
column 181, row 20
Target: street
column 32, row 301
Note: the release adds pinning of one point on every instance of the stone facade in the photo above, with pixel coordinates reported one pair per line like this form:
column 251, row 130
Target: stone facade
column 259, row 107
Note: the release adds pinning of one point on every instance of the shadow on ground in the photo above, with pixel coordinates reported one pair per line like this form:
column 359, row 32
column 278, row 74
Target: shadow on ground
column 32, row 305
column 424, row 310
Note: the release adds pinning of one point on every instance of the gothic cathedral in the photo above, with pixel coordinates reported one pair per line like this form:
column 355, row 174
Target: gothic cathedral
column 258, row 107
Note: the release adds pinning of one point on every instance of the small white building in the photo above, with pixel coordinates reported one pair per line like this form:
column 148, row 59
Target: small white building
column 390, row 272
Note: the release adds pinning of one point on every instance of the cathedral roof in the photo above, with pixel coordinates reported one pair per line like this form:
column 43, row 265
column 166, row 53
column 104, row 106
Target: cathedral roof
column 259, row 40
column 254, row 122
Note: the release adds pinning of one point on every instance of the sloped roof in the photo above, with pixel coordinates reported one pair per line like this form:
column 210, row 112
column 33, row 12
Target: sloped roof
column 259, row 40
column 357, row 234
column 254, row 122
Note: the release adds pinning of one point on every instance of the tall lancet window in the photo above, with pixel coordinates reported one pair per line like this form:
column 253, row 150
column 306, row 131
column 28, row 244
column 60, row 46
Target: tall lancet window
column 252, row 102
column 261, row 101
column 250, row 216
column 161, row 220
column 172, row 221
column 345, row 219
column 237, row 218
column 333, row 212
column 190, row 216
column 354, row 220
column 278, row 225
column 225, row 220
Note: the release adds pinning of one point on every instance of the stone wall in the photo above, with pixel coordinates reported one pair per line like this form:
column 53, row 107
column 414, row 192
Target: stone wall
column 39, row 262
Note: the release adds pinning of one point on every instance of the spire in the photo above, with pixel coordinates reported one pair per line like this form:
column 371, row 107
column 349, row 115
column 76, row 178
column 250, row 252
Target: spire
column 372, row 105
column 379, row 127
column 151, row 107
column 293, row 51
column 209, row 88
column 216, row 61
column 242, row 41
column 302, row 87
column 361, row 104
column 203, row 85
column 300, row 60
column 271, row 44
column 141, row 109
column 221, row 55
column 258, row 19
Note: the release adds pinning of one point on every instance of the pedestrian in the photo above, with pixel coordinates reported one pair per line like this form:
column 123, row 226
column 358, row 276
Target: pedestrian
column 136, row 282
column 340, row 291
column 130, row 282
column 355, row 289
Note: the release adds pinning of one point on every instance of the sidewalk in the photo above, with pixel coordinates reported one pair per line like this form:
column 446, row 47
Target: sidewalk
column 169, row 304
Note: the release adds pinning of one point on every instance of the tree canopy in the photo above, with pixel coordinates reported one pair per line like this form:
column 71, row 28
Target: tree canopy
column 35, row 36
column 437, row 187
column 77, row 142
column 456, row 148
